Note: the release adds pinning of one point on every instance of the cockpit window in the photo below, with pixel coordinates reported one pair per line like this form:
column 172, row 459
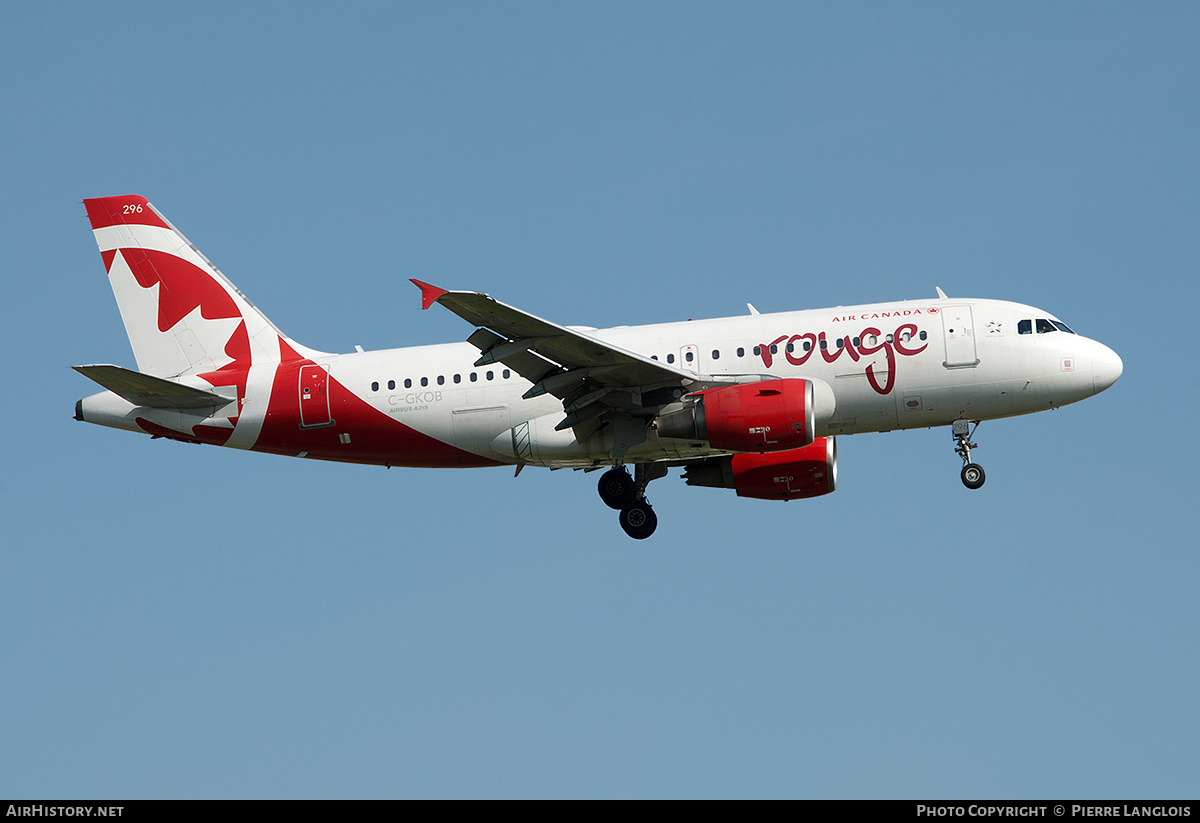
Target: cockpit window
column 1061, row 326
column 1024, row 327
column 1044, row 326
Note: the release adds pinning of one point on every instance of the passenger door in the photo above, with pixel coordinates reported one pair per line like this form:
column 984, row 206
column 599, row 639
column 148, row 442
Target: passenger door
column 959, row 330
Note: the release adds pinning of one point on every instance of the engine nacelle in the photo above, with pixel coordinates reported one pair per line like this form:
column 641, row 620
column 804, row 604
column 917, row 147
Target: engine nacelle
column 810, row 471
column 769, row 416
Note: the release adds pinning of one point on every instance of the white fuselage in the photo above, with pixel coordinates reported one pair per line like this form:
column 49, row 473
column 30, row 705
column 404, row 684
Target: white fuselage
column 888, row 366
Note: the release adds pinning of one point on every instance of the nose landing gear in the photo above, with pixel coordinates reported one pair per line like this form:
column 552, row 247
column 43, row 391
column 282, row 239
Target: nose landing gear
column 973, row 475
column 620, row 491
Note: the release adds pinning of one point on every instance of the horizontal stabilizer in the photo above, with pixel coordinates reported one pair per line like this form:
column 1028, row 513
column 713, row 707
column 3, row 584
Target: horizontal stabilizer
column 147, row 390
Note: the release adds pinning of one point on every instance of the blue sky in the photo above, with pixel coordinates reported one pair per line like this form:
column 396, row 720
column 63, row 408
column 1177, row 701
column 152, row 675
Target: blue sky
column 181, row 621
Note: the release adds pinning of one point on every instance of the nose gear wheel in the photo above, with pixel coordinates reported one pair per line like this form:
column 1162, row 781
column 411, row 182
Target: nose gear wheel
column 973, row 475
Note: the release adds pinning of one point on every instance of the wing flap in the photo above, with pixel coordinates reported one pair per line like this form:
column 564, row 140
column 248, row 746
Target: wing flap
column 521, row 360
column 147, row 390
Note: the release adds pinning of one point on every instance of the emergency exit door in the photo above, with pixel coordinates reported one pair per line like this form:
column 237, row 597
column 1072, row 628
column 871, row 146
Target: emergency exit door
column 689, row 358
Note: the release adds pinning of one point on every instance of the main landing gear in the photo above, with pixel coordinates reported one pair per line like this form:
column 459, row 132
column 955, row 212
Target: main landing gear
column 972, row 473
column 628, row 494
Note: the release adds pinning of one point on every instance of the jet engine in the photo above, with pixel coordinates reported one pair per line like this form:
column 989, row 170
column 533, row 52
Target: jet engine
column 810, row 471
column 772, row 415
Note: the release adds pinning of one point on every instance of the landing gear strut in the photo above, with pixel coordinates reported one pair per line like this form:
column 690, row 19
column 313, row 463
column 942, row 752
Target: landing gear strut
column 620, row 491
column 973, row 475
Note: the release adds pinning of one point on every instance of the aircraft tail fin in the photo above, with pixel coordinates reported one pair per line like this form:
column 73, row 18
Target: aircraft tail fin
column 182, row 315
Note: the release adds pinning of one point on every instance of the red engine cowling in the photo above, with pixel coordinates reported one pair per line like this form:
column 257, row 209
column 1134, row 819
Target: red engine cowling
column 773, row 415
column 810, row 471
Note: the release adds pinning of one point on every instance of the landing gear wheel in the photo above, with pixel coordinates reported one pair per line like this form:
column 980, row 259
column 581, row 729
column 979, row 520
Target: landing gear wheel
column 617, row 488
column 639, row 520
column 973, row 476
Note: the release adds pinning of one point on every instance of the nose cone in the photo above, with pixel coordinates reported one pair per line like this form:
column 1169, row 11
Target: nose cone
column 1106, row 368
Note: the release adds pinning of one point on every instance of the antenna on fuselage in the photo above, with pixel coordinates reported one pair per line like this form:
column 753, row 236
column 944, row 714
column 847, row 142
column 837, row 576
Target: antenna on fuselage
column 753, row 310
column 941, row 293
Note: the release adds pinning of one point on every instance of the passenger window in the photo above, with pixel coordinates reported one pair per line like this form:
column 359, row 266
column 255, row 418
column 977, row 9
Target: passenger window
column 716, row 355
column 458, row 378
column 1044, row 326
column 408, row 382
column 757, row 351
column 689, row 357
column 506, row 373
column 654, row 357
column 906, row 335
column 808, row 345
column 374, row 387
column 857, row 342
column 791, row 347
column 441, row 380
column 824, row 345
column 774, row 349
column 1025, row 327
column 391, row 384
column 670, row 358
column 424, row 381
column 923, row 335
column 741, row 352
column 474, row 377
column 490, row 375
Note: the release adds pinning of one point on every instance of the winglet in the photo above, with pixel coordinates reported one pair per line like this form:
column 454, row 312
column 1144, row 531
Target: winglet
column 429, row 294
column 941, row 293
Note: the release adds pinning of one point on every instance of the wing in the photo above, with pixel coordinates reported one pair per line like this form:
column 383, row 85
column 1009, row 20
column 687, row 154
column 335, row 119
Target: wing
column 590, row 376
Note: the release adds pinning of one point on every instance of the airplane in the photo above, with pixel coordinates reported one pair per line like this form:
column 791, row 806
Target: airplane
column 752, row 403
